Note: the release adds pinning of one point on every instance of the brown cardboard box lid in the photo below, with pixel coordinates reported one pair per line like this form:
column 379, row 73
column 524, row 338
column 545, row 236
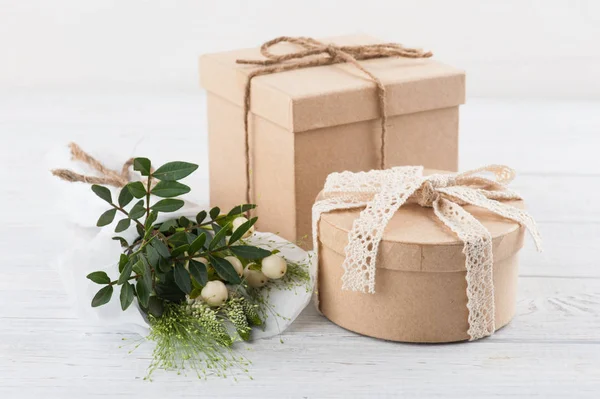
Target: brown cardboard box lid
column 332, row 95
column 415, row 240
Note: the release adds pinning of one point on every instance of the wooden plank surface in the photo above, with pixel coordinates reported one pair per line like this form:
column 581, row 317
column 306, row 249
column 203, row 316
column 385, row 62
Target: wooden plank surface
column 552, row 348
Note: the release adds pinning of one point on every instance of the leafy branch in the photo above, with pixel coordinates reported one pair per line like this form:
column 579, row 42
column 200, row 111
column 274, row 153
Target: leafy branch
column 178, row 257
column 195, row 278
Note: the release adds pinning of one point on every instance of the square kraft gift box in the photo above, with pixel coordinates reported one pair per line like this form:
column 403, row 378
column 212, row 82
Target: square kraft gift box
column 306, row 123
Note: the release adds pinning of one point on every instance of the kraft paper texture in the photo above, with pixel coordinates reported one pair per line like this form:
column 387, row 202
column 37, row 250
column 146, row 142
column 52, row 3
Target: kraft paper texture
column 307, row 123
column 420, row 282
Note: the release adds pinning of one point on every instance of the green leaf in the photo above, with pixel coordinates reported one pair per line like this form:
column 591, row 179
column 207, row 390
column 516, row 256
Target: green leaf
column 214, row 212
column 198, row 271
column 179, row 250
column 249, row 252
column 142, row 165
column 209, row 236
column 219, row 235
column 99, row 277
column 138, row 267
column 148, row 234
column 168, row 189
column 143, row 291
column 224, row 269
column 123, row 241
column 125, row 273
column 240, row 209
column 197, row 244
column 174, row 171
column 200, row 217
column 155, row 306
column 168, row 205
column 140, row 230
column 168, row 225
column 168, row 290
column 137, row 189
column 190, row 237
column 182, row 278
column 138, row 210
column 178, row 239
column 126, row 295
column 150, row 220
column 125, row 197
column 184, row 222
column 196, row 284
column 103, row 296
column 241, row 230
column 147, row 277
column 123, row 225
column 153, row 256
column 161, row 248
column 106, row 218
column 102, row 192
column 164, row 265
column 123, row 259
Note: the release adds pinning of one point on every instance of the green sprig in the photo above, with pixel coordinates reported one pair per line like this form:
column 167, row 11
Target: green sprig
column 170, row 262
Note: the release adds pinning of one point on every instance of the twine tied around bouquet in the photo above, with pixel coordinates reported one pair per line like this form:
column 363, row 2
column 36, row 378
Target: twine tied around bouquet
column 315, row 53
column 107, row 176
column 382, row 192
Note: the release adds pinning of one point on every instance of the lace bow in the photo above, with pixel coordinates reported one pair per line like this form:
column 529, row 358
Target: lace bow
column 383, row 192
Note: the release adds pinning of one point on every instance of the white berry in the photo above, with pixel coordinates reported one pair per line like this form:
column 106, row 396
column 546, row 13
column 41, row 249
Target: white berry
column 254, row 278
column 237, row 222
column 236, row 263
column 274, row 267
column 214, row 293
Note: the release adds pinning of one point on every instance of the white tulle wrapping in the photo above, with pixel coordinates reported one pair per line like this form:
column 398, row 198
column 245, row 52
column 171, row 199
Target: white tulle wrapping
column 93, row 249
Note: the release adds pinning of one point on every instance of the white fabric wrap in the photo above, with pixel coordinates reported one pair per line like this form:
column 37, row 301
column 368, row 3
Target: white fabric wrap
column 382, row 192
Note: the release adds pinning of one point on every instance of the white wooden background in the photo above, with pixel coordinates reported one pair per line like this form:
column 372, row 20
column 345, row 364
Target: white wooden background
column 510, row 48
column 551, row 349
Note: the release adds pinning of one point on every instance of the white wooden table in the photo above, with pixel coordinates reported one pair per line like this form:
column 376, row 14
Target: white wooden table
column 551, row 349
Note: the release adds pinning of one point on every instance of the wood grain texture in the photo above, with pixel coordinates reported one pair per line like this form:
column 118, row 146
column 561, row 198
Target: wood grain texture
column 550, row 350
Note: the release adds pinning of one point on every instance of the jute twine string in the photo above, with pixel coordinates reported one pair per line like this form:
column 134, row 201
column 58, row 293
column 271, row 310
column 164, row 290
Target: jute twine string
column 315, row 53
column 108, row 176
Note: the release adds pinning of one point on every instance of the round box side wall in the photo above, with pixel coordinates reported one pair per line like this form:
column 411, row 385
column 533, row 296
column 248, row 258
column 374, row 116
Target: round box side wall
column 409, row 306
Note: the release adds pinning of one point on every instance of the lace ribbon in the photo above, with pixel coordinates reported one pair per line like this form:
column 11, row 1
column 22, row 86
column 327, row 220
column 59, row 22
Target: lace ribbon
column 382, row 192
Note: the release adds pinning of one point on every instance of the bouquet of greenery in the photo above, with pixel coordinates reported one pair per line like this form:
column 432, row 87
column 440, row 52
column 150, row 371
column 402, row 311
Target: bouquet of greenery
column 202, row 282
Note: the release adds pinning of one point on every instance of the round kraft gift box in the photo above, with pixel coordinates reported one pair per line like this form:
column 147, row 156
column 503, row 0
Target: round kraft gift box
column 420, row 278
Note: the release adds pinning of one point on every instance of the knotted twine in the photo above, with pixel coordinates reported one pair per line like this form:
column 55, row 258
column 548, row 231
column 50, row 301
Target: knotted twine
column 315, row 53
column 108, row 176
column 382, row 192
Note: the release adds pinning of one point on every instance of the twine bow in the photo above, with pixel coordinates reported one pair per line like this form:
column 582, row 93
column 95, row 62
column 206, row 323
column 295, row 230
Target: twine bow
column 315, row 53
column 383, row 192
column 107, row 176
